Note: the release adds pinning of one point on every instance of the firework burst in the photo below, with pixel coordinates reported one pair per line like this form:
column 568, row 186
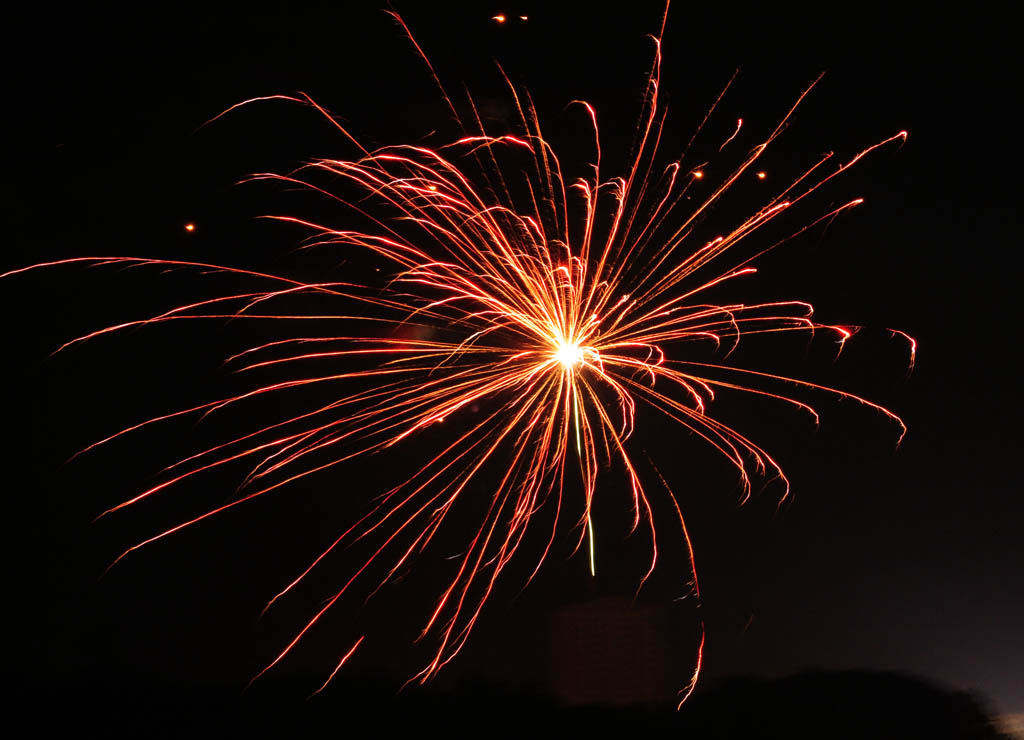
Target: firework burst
column 527, row 313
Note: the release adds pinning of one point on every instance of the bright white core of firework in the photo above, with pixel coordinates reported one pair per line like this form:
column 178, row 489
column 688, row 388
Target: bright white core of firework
column 568, row 354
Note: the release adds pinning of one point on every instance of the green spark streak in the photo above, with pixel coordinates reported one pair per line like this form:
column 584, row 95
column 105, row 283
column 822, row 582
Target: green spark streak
column 579, row 452
column 590, row 534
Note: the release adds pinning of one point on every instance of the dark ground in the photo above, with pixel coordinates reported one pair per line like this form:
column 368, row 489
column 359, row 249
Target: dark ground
column 847, row 706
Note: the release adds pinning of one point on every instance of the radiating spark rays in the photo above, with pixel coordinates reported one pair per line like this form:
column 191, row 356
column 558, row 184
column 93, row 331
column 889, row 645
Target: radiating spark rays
column 525, row 335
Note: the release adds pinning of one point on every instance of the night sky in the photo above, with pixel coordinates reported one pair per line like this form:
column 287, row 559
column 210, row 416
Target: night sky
column 904, row 559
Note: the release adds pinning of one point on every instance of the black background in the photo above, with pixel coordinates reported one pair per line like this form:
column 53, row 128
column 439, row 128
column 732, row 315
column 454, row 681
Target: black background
column 907, row 560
